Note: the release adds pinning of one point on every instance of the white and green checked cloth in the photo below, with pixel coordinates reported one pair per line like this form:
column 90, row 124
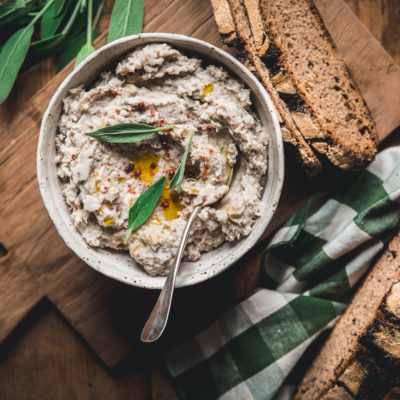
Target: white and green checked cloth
column 311, row 264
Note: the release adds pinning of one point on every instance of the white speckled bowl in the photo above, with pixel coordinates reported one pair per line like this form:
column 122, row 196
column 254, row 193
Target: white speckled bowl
column 118, row 264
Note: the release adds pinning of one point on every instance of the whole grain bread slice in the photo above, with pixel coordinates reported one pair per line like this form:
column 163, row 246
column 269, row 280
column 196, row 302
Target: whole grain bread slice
column 253, row 53
column 323, row 115
column 361, row 357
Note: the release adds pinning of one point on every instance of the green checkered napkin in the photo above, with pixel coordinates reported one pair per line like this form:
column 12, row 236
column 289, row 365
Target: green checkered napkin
column 311, row 264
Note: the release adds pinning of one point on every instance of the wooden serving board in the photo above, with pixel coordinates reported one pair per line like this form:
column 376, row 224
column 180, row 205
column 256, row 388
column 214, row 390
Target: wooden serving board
column 36, row 264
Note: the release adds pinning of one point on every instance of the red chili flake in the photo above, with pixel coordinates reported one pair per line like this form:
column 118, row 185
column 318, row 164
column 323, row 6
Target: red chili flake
column 129, row 168
column 117, row 111
column 73, row 156
column 233, row 126
column 180, row 112
column 109, row 180
column 153, row 165
column 143, row 106
column 211, row 151
column 209, row 128
column 105, row 188
column 117, row 208
column 137, row 173
column 161, row 122
column 187, row 214
column 132, row 191
column 171, row 173
column 165, row 204
column 74, row 209
column 167, row 153
column 109, row 164
column 206, row 166
column 113, row 93
column 152, row 111
column 187, row 115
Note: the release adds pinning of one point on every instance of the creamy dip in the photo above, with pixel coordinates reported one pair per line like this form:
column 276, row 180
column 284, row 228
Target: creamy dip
column 159, row 85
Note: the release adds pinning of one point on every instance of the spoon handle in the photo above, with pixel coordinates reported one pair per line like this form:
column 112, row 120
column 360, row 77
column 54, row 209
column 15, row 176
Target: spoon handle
column 158, row 318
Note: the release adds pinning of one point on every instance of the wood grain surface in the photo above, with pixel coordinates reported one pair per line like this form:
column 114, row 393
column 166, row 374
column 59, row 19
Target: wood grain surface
column 84, row 335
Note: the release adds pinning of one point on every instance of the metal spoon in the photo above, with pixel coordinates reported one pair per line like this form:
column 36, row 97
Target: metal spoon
column 158, row 318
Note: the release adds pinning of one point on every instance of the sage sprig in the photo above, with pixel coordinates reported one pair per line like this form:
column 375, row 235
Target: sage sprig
column 62, row 23
column 127, row 133
column 14, row 52
column 178, row 177
column 144, row 206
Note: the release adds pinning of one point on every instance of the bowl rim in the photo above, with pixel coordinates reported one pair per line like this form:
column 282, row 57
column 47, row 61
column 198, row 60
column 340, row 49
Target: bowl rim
column 171, row 38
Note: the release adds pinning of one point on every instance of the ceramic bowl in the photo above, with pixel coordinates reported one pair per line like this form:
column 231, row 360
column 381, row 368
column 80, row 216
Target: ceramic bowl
column 117, row 264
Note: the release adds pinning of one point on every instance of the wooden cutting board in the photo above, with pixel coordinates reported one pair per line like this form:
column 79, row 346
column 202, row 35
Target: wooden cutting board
column 36, row 264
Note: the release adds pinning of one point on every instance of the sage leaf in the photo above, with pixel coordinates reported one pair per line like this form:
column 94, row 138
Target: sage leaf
column 85, row 51
column 59, row 7
column 50, row 23
column 126, row 19
column 144, row 206
column 178, row 177
column 11, row 10
column 127, row 133
column 9, row 6
column 72, row 49
column 12, row 56
column 50, row 44
column 87, row 48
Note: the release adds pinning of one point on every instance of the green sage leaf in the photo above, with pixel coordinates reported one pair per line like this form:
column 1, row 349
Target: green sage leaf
column 178, row 177
column 9, row 6
column 85, row 51
column 127, row 133
column 144, row 206
column 72, row 49
column 50, row 44
column 50, row 23
column 12, row 56
column 11, row 10
column 126, row 19
column 87, row 48
column 59, row 7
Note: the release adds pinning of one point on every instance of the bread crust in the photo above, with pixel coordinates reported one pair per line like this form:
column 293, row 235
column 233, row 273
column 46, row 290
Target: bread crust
column 302, row 125
column 362, row 353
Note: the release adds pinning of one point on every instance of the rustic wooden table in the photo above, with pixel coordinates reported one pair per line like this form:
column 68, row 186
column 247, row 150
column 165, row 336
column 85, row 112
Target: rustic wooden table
column 52, row 353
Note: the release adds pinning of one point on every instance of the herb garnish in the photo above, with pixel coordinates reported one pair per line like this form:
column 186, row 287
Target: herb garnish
column 144, row 206
column 127, row 133
column 178, row 177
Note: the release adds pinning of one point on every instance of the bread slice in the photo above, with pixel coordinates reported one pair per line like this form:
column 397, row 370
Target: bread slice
column 253, row 55
column 361, row 357
column 323, row 115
